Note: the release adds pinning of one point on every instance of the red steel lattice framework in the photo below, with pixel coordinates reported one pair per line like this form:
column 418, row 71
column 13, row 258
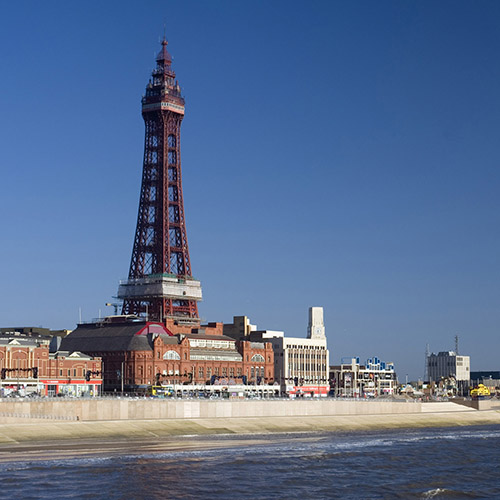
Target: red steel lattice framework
column 160, row 244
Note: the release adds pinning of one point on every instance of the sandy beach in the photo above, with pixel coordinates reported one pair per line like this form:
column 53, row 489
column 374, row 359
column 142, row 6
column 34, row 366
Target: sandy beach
column 43, row 440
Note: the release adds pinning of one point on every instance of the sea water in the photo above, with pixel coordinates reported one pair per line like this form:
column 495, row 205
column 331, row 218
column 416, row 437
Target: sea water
column 426, row 463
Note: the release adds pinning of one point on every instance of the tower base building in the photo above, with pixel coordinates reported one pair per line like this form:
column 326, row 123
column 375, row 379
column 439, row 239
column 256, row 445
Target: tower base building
column 139, row 355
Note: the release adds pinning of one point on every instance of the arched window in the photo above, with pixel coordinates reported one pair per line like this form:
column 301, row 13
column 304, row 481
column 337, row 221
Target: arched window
column 171, row 355
column 258, row 358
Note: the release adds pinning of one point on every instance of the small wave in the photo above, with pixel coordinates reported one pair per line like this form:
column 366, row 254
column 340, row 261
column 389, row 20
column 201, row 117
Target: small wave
column 435, row 492
column 40, row 464
column 446, row 493
column 415, row 437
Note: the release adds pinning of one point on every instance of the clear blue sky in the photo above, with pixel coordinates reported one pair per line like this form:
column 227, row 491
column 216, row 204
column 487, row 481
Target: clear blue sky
column 337, row 154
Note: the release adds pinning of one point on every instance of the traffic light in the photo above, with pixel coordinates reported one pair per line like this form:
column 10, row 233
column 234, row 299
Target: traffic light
column 87, row 375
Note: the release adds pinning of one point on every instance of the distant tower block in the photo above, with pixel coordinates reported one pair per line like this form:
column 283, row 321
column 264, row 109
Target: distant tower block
column 160, row 282
column 316, row 327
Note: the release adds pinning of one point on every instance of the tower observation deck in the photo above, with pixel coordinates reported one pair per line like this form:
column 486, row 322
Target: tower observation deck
column 160, row 283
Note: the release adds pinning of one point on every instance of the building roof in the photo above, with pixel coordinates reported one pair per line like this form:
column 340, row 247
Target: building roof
column 33, row 330
column 70, row 355
column 257, row 345
column 99, row 337
column 485, row 374
column 168, row 339
column 25, row 330
column 164, row 54
column 24, row 339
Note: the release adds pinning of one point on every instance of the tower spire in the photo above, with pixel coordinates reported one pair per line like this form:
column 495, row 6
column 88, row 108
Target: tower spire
column 164, row 56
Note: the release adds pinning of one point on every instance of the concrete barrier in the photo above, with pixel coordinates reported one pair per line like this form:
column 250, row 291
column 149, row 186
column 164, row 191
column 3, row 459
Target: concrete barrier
column 481, row 404
column 91, row 410
column 154, row 409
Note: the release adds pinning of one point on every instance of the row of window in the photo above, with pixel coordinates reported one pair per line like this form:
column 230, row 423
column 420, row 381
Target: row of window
column 214, row 357
column 307, row 347
column 257, row 371
column 215, row 344
column 307, row 355
column 306, row 367
column 217, row 372
column 173, row 355
column 75, row 372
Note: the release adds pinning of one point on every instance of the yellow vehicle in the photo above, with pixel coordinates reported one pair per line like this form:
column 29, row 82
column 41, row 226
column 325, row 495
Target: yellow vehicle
column 161, row 391
column 480, row 392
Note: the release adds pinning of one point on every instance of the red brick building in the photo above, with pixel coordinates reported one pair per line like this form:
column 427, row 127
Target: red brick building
column 27, row 366
column 137, row 354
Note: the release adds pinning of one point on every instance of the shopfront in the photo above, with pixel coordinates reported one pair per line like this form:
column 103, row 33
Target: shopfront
column 72, row 388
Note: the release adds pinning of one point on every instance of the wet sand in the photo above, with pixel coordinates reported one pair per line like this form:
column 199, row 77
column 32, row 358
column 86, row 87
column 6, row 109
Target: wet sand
column 94, row 448
column 63, row 440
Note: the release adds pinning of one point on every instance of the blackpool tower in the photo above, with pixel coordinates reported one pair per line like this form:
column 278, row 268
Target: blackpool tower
column 160, row 284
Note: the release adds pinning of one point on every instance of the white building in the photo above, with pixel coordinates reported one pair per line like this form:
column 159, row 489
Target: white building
column 374, row 378
column 448, row 364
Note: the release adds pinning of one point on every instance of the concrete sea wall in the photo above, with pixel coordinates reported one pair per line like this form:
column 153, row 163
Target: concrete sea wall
column 145, row 409
column 154, row 409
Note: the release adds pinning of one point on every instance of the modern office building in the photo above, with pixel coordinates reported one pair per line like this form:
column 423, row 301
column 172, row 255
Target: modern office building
column 448, row 364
